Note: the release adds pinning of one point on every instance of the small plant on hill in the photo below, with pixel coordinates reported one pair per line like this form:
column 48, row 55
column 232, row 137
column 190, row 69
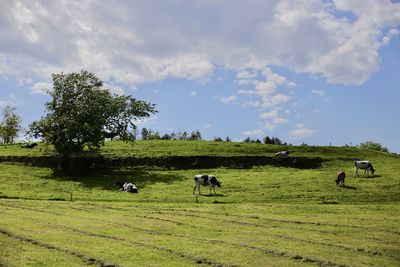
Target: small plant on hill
column 373, row 146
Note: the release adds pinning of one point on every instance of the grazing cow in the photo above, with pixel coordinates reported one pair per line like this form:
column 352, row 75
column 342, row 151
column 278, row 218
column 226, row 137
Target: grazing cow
column 32, row 145
column 110, row 135
column 205, row 180
column 340, row 178
column 282, row 154
column 127, row 187
column 363, row 165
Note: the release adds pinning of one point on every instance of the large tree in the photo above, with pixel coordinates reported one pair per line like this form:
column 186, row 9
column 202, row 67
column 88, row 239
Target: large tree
column 10, row 125
column 82, row 113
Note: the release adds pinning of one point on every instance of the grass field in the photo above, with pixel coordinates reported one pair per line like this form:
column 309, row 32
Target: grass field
column 264, row 216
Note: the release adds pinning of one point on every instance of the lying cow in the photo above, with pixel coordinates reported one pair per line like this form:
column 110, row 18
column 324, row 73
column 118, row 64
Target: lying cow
column 205, row 180
column 32, row 145
column 282, row 154
column 127, row 187
column 363, row 165
column 340, row 178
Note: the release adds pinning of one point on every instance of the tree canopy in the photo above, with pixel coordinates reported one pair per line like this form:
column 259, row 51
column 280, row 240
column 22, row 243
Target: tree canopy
column 10, row 125
column 81, row 113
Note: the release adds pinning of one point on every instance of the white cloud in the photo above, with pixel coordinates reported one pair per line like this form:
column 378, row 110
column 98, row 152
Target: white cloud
column 280, row 121
column 320, row 93
column 10, row 101
column 291, row 85
column 270, row 126
column 269, row 115
column 207, row 126
column 134, row 42
column 246, row 75
column 257, row 132
column 279, row 99
column 42, row 88
column 194, row 93
column 301, row 132
column 146, row 121
column 254, row 104
column 228, row 100
column 114, row 89
column 394, row 32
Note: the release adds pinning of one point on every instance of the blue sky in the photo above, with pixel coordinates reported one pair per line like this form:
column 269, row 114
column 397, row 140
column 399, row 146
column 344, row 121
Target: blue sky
column 310, row 71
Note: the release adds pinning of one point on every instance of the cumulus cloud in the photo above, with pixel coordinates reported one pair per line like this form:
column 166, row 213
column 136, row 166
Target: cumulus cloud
column 11, row 100
column 41, row 88
column 320, row 93
column 114, row 89
column 228, row 99
column 301, row 132
column 134, row 42
column 257, row 132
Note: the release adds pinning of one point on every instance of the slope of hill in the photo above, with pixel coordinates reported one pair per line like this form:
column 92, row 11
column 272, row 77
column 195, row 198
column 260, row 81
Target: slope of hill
column 262, row 216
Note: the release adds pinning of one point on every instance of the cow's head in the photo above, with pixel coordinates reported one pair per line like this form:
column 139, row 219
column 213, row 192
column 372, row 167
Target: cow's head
column 372, row 170
column 215, row 181
column 120, row 184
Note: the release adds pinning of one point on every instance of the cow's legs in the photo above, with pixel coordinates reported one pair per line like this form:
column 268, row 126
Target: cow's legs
column 194, row 188
column 356, row 172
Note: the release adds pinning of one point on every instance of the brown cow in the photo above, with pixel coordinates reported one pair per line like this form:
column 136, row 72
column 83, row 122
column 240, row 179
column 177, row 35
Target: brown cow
column 340, row 178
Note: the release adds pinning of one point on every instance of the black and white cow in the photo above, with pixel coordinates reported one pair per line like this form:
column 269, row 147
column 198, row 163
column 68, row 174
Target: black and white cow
column 205, row 180
column 340, row 176
column 127, row 187
column 282, row 154
column 363, row 165
column 31, row 145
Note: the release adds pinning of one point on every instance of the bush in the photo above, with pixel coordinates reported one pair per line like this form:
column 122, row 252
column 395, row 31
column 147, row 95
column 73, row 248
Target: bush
column 373, row 146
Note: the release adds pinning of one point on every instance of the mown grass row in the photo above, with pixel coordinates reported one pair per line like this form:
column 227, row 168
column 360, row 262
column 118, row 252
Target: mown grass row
column 217, row 235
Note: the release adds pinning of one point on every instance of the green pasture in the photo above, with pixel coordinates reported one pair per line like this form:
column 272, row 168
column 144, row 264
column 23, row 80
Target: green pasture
column 161, row 148
column 262, row 216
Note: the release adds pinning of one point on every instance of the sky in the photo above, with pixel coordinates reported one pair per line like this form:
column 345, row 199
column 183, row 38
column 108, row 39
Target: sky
column 305, row 71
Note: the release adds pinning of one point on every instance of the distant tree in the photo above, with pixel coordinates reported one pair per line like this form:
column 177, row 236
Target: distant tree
column 184, row 136
column 174, row 136
column 195, row 135
column 267, row 140
column 276, row 141
column 228, row 139
column 373, row 146
column 10, row 125
column 133, row 134
column 218, row 139
column 153, row 135
column 81, row 111
column 247, row 140
column 166, row 137
column 145, row 134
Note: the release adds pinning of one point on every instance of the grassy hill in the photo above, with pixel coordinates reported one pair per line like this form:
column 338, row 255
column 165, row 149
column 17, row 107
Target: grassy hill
column 160, row 148
column 262, row 216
